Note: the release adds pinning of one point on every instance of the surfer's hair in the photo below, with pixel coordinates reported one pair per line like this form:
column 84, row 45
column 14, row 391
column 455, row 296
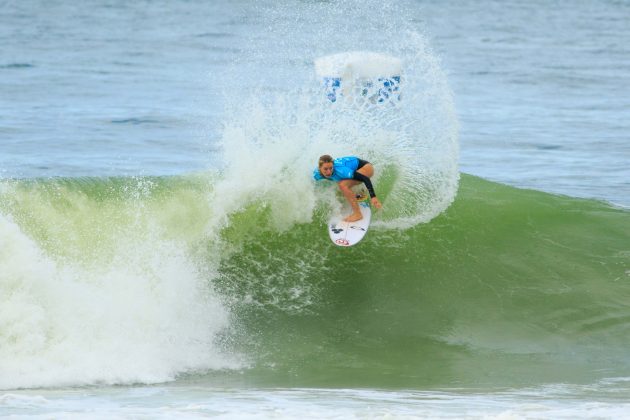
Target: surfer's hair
column 324, row 159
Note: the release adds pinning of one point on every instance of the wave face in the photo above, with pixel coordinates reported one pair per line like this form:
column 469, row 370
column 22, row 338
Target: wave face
column 507, row 287
column 123, row 281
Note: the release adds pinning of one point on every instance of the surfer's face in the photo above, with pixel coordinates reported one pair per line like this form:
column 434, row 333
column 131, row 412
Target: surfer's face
column 326, row 169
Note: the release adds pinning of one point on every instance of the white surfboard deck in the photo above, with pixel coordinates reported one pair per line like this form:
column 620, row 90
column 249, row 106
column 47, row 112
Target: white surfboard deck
column 350, row 233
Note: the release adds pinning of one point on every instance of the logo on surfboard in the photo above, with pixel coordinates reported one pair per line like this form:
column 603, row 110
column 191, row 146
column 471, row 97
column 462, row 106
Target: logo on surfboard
column 335, row 229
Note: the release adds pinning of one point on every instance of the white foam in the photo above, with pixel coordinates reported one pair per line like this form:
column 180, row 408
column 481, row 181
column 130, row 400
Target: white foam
column 358, row 64
column 144, row 317
column 203, row 402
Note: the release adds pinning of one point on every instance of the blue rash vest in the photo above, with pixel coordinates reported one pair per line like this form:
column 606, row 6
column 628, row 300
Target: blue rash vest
column 346, row 168
column 343, row 168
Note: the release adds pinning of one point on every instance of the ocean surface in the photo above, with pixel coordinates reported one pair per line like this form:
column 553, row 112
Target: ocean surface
column 163, row 249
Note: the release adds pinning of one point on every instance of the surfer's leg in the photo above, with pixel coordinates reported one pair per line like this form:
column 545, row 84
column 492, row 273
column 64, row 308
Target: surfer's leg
column 345, row 187
column 367, row 170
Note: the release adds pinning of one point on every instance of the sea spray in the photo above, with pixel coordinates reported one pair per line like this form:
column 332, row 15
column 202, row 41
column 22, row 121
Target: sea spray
column 282, row 120
column 279, row 120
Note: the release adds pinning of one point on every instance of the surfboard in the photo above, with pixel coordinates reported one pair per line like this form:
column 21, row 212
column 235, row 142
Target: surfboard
column 350, row 233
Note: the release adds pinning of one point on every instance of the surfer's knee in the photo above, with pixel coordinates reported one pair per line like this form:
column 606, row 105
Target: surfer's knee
column 367, row 170
column 343, row 186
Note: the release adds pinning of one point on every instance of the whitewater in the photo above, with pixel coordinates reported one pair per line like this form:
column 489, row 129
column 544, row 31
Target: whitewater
column 163, row 248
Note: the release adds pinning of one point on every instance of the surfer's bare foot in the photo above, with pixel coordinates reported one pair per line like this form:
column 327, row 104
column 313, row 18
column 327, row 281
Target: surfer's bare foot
column 353, row 217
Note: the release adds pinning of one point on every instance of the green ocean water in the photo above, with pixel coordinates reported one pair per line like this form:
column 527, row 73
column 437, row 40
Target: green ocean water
column 507, row 287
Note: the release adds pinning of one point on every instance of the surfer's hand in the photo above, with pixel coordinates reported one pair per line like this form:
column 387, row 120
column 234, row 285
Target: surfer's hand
column 376, row 203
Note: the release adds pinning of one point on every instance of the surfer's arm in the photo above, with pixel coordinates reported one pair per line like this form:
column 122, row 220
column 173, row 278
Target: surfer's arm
column 366, row 180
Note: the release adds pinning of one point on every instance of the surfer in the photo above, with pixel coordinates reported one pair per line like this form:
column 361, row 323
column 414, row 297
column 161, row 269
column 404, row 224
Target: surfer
column 348, row 171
